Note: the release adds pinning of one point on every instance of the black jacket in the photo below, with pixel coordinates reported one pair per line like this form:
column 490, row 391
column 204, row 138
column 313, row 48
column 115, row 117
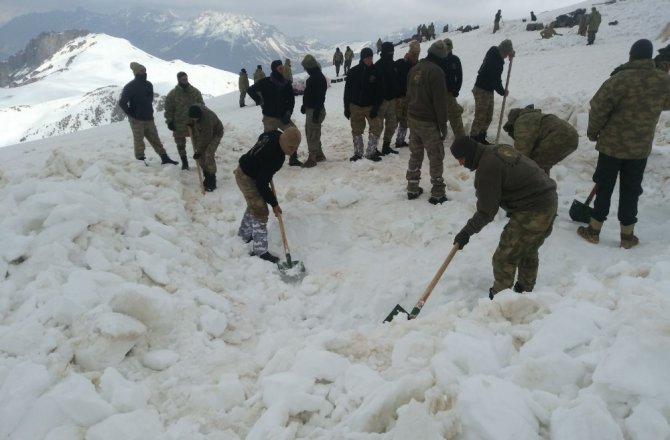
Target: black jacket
column 387, row 69
column 261, row 163
column 490, row 72
column 402, row 67
column 363, row 87
column 315, row 89
column 137, row 99
column 277, row 95
column 453, row 73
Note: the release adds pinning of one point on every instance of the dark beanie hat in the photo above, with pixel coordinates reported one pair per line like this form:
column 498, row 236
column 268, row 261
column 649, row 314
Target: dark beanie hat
column 641, row 50
column 275, row 64
column 195, row 112
column 387, row 47
column 464, row 148
column 180, row 74
column 366, row 53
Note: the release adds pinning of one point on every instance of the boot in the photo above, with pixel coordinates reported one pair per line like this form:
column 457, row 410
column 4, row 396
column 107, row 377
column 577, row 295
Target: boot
column 210, row 182
column 166, row 159
column 492, row 293
column 310, row 162
column 400, row 138
column 591, row 233
column 628, row 239
column 386, row 149
column 358, row 148
column 267, row 256
column 518, row 288
column 355, row 157
column 414, row 194
column 482, row 139
column 184, row 162
column 294, row 161
column 372, row 153
column 437, row 200
column 320, row 157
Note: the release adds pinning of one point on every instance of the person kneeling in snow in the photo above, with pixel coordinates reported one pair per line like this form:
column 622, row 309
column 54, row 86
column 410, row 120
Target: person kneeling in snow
column 253, row 176
column 207, row 134
column 507, row 179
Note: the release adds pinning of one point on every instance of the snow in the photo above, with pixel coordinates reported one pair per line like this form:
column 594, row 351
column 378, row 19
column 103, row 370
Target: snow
column 130, row 309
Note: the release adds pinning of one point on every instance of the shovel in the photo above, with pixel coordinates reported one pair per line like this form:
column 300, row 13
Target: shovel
column 290, row 270
column 502, row 109
column 419, row 305
column 581, row 212
column 197, row 164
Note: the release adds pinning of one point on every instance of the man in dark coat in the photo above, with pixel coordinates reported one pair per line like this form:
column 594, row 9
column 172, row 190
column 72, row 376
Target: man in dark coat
column 256, row 169
column 136, row 102
column 275, row 95
column 403, row 66
column 314, row 110
column 453, row 72
column 387, row 69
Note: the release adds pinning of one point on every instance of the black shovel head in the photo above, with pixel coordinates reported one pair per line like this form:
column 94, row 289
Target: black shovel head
column 580, row 212
column 291, row 271
column 396, row 310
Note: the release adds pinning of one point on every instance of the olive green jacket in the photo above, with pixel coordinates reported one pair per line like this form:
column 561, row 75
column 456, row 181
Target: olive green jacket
column 177, row 103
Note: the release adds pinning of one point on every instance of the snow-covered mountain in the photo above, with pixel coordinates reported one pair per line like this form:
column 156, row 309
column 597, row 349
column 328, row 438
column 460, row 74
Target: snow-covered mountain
column 219, row 39
column 79, row 85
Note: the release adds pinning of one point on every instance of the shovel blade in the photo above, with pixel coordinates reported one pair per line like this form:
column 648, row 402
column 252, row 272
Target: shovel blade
column 580, row 212
column 291, row 271
column 396, row 310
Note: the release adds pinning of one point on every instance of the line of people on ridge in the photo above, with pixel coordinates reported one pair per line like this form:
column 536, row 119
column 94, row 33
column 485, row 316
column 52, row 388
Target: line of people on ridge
column 515, row 178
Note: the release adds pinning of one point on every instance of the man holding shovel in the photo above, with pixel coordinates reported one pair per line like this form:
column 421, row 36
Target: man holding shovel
column 505, row 178
column 253, row 177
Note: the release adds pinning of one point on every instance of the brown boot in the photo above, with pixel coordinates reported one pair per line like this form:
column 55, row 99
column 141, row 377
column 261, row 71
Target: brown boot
column 320, row 157
column 628, row 239
column 310, row 162
column 591, row 233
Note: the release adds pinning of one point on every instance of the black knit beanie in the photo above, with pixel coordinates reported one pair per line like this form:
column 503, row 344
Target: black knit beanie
column 387, row 47
column 180, row 74
column 195, row 112
column 464, row 148
column 641, row 50
column 366, row 53
column 274, row 65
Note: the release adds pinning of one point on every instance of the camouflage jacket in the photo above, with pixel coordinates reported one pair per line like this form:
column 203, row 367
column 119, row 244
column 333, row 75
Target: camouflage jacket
column 288, row 71
column 243, row 82
column 506, row 179
column 348, row 54
column 338, row 58
column 177, row 103
column 427, row 92
column 208, row 129
column 625, row 110
column 258, row 74
column 593, row 21
column 545, row 138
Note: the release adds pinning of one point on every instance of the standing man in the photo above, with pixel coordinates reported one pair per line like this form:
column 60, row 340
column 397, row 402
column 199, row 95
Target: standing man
column 504, row 178
column 427, row 116
column 314, row 110
column 256, row 169
column 622, row 122
column 338, row 59
column 488, row 80
column 387, row 69
column 136, row 102
column 243, row 84
column 453, row 72
column 592, row 26
column 288, row 71
column 403, row 66
column 177, row 103
column 545, row 138
column 363, row 95
column 379, row 45
column 258, row 74
column 207, row 133
column 275, row 95
column 496, row 21
column 348, row 57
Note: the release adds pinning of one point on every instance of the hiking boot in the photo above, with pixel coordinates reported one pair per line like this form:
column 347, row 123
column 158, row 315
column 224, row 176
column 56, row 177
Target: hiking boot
column 294, row 161
column 210, row 182
column 518, row 288
column 629, row 240
column 184, row 162
column 375, row 157
column 267, row 256
column 492, row 293
column 589, row 234
column 355, row 157
column 320, row 157
column 141, row 158
column 309, row 163
column 386, row 149
column 414, row 194
column 402, row 144
column 437, row 200
column 165, row 159
column 482, row 139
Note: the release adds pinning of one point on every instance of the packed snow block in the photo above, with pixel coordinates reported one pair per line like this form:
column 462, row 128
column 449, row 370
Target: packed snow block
column 152, row 306
column 646, row 422
column 124, row 395
column 138, row 425
column 232, row 391
column 585, row 418
column 159, row 360
column 534, row 26
column 20, row 386
column 103, row 338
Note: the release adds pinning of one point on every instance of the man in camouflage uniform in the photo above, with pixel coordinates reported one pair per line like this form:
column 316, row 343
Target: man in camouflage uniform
column 489, row 80
column 548, row 32
column 207, row 133
column 504, row 178
column 256, row 169
column 177, row 103
column 136, row 102
column 453, row 72
column 592, row 26
column 258, row 74
column 427, row 117
column 387, row 70
column 348, row 57
column 243, row 85
column 622, row 122
column 583, row 24
column 545, row 138
column 338, row 59
column 403, row 66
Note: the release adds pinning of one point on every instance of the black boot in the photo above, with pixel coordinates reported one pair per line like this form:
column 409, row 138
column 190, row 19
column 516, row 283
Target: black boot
column 482, row 139
column 386, row 149
column 210, row 182
column 437, row 200
column 166, row 159
column 184, row 162
column 518, row 288
column 294, row 161
column 267, row 256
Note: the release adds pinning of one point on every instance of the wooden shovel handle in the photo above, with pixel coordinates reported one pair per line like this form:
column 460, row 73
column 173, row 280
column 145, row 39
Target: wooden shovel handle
column 197, row 164
column 502, row 109
column 591, row 195
column 281, row 223
column 424, row 297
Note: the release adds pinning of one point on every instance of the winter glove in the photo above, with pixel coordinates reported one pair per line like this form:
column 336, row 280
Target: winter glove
column 347, row 112
column 316, row 115
column 302, row 109
column 196, row 156
column 170, row 126
column 461, row 239
column 374, row 112
column 286, row 119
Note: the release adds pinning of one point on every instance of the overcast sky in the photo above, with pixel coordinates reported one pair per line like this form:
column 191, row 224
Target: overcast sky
column 329, row 21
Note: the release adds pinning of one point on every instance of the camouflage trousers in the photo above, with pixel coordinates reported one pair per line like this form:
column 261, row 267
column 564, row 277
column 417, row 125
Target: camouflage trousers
column 518, row 248
column 591, row 37
column 313, row 132
column 142, row 129
column 425, row 136
column 454, row 112
column 347, row 66
column 243, row 94
column 252, row 229
column 387, row 114
column 256, row 205
column 181, row 144
column 357, row 120
column 207, row 159
column 483, row 111
column 401, row 111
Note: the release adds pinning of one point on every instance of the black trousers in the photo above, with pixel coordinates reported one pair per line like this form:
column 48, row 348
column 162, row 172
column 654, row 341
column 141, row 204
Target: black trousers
column 630, row 172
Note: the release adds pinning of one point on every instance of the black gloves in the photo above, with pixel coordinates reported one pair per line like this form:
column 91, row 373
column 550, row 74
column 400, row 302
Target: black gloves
column 286, row 119
column 170, row 126
column 461, row 239
column 347, row 112
column 302, row 109
column 196, row 156
column 315, row 116
column 374, row 112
